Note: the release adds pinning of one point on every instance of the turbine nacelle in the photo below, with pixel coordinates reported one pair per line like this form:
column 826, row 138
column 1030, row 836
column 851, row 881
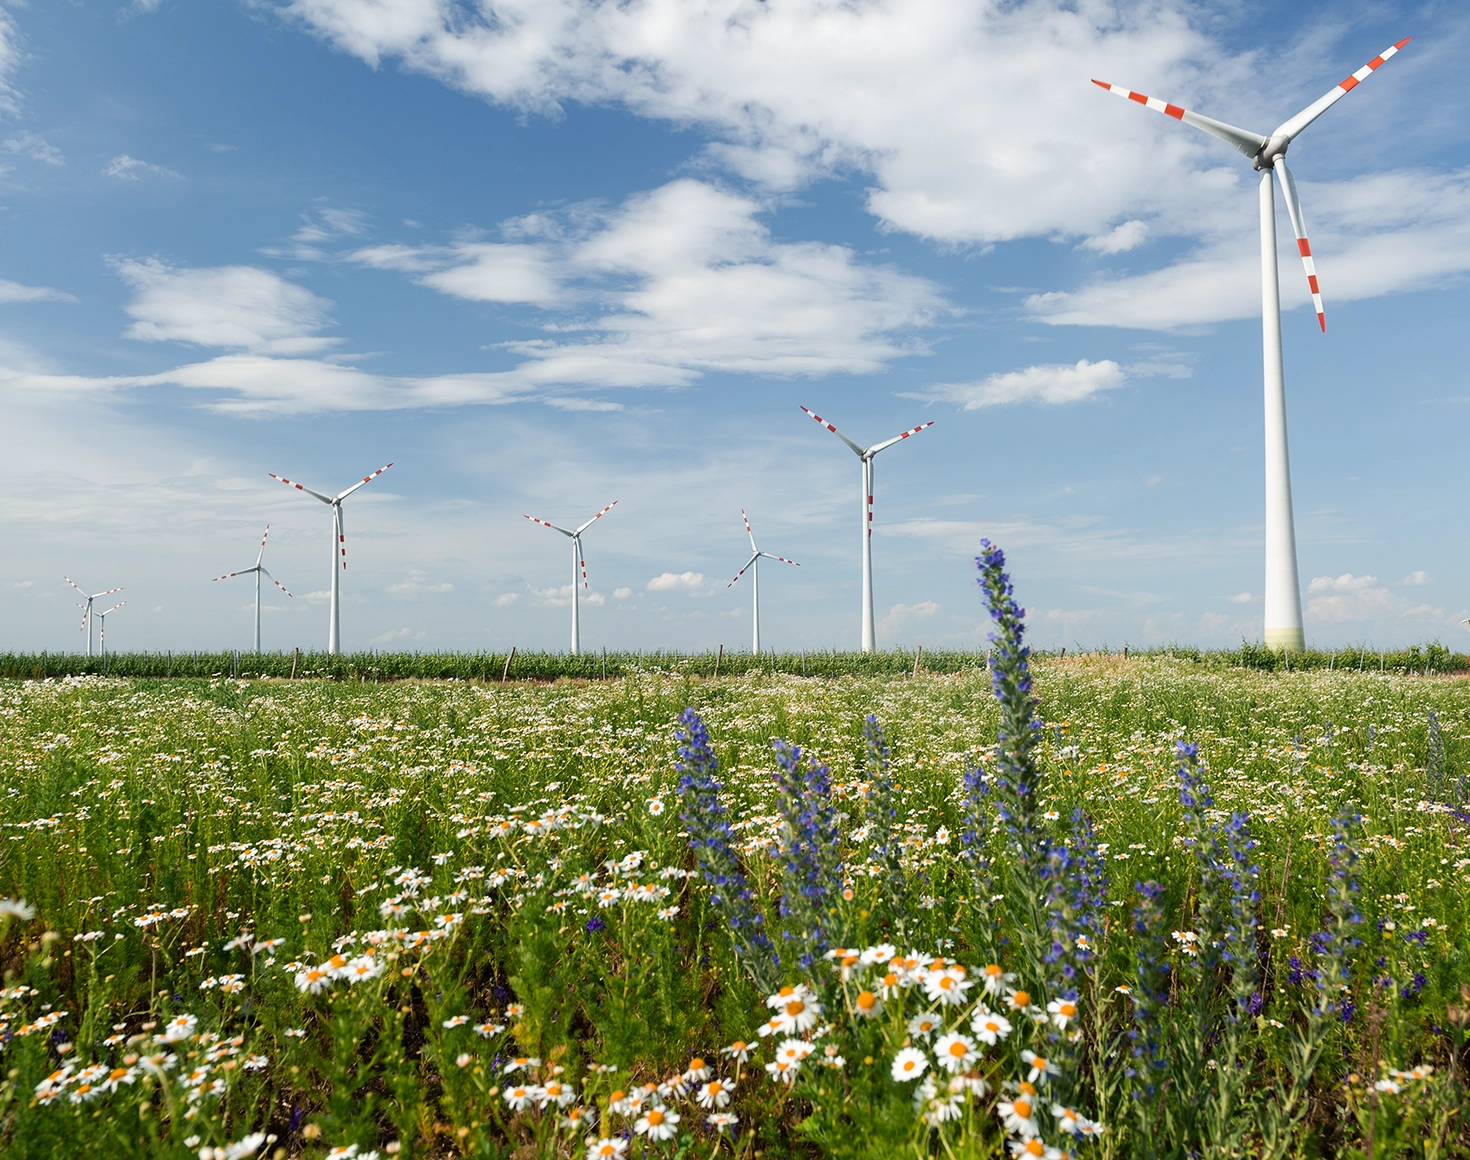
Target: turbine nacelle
column 1271, row 152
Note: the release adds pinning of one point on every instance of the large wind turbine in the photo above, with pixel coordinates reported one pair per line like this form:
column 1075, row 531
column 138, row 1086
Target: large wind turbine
column 259, row 570
column 579, row 565
column 755, row 584
column 866, row 455
column 86, row 625
column 1268, row 154
column 339, row 547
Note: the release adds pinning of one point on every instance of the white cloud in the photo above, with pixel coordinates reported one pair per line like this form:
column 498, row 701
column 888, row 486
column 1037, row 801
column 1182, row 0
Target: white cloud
column 1240, row 598
column 397, row 634
column 688, row 280
column 1380, row 234
column 676, row 582
column 127, row 168
column 35, row 147
column 900, row 615
column 478, row 271
column 1127, row 236
column 954, row 149
column 10, row 55
column 506, row 598
column 1347, row 582
column 1362, row 598
column 1053, row 384
column 1413, row 579
column 15, row 292
column 974, row 122
column 236, row 307
column 417, row 582
column 622, row 593
column 562, row 597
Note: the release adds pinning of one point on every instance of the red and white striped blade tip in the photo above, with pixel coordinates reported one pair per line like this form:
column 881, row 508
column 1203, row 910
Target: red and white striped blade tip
column 1363, row 73
column 1303, row 246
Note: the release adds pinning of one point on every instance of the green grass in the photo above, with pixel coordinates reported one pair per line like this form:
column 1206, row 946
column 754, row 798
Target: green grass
column 286, row 810
column 1426, row 658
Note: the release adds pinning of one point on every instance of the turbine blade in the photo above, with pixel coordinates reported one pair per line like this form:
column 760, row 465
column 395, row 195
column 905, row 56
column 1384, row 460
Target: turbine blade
column 274, row 581
column 341, row 536
column 100, row 595
column 553, row 527
column 900, row 438
column 261, row 554
column 229, row 576
column 114, row 608
column 858, row 451
column 783, row 559
column 300, row 487
column 742, row 571
column 73, row 583
column 1243, row 139
column 749, row 533
column 360, row 482
column 1293, row 126
column 597, row 517
column 1304, row 247
column 582, row 560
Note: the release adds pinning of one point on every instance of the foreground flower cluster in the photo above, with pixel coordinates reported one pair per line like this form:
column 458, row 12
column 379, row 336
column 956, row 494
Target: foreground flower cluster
column 615, row 920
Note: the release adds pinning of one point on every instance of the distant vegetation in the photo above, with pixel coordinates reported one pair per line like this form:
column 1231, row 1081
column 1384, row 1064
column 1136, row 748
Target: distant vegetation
column 1427, row 659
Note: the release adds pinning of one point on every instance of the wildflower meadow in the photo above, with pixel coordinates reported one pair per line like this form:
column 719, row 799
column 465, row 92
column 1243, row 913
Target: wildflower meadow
column 1087, row 907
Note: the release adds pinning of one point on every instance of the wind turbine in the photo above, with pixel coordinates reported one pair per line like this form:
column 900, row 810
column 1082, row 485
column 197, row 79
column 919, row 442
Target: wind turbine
column 259, row 570
column 102, row 630
column 1268, row 154
column 339, row 546
column 755, row 583
column 578, row 564
column 866, row 455
column 86, row 625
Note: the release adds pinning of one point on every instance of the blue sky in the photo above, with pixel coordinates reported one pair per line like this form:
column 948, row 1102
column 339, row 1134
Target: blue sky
column 544, row 254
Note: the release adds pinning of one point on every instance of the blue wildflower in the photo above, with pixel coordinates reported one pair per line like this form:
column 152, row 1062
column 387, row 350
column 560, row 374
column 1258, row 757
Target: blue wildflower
column 706, row 820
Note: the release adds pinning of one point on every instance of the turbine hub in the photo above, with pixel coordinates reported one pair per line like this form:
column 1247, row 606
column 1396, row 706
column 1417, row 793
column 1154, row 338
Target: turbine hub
column 1272, row 152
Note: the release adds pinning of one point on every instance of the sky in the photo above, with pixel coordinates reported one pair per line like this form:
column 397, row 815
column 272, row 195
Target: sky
column 543, row 255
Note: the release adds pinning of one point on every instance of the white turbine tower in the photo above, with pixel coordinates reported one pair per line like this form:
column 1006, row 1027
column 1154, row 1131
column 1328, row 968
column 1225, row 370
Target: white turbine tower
column 86, row 625
column 259, row 570
column 579, row 565
column 755, row 584
column 1268, row 154
column 866, row 455
column 339, row 548
column 102, row 629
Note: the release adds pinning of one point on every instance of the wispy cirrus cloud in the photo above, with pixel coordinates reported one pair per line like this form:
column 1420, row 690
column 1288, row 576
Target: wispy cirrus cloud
column 36, row 147
column 126, row 168
column 15, row 292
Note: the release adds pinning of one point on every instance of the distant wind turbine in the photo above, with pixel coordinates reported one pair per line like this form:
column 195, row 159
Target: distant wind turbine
column 866, row 454
column 102, row 629
column 579, row 565
column 86, row 625
column 339, row 548
column 259, row 570
column 1268, row 154
column 755, row 584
